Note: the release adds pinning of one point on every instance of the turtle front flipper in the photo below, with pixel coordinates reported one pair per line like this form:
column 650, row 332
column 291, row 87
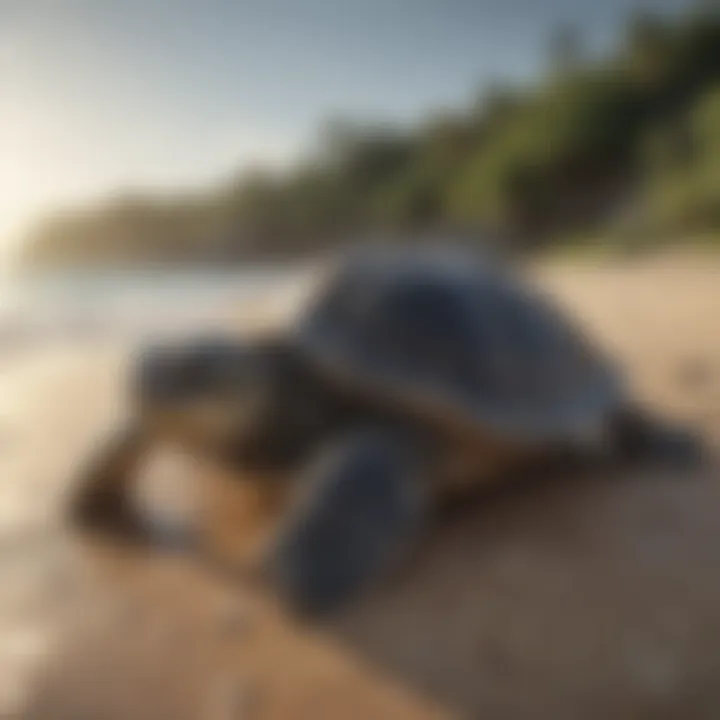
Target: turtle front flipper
column 100, row 501
column 364, row 506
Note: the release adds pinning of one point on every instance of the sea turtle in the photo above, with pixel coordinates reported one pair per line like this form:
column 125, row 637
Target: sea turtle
column 404, row 375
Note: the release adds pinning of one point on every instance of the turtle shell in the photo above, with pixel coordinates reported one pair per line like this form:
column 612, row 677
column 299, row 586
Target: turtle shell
column 458, row 340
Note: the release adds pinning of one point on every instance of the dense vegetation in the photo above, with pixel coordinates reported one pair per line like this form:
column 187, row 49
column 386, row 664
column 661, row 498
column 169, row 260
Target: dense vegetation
column 627, row 144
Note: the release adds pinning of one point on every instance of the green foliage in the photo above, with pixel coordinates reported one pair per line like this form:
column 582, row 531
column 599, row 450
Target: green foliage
column 682, row 192
column 629, row 143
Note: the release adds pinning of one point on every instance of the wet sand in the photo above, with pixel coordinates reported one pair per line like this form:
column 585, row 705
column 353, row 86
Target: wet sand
column 581, row 595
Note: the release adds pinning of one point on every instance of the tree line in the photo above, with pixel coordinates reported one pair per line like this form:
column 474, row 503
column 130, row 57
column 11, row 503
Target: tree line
column 626, row 144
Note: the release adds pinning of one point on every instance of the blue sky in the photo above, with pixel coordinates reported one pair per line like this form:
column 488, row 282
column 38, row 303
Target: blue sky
column 104, row 95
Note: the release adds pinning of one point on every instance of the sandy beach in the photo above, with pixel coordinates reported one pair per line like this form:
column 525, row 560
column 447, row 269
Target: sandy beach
column 588, row 596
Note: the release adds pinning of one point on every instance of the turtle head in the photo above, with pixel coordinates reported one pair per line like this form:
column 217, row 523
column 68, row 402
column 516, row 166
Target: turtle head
column 244, row 400
column 201, row 392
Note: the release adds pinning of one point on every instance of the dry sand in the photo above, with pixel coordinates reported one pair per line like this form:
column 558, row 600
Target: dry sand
column 582, row 596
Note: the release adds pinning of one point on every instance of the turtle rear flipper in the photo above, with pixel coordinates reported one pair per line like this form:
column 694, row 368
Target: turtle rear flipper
column 366, row 504
column 100, row 500
column 640, row 437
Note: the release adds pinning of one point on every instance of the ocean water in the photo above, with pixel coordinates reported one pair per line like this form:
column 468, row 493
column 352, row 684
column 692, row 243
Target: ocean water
column 77, row 307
